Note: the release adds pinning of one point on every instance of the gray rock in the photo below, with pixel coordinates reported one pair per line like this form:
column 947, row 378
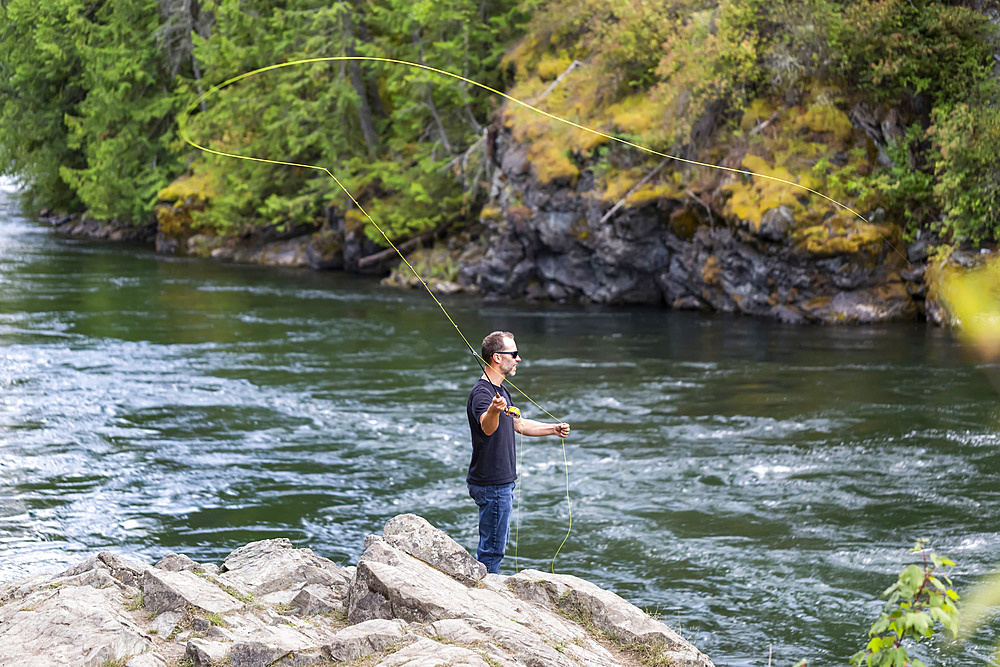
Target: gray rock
column 178, row 562
column 463, row 633
column 273, row 565
column 416, row 597
column 365, row 638
column 391, row 584
column 128, row 572
column 254, row 654
column 69, row 625
column 292, row 252
column 215, row 633
column 607, row 611
column 775, row 223
column 204, row 653
column 163, row 590
column 146, row 660
column 163, row 624
column 429, row 653
column 261, row 654
column 95, row 578
column 313, row 599
column 550, row 243
column 417, row 537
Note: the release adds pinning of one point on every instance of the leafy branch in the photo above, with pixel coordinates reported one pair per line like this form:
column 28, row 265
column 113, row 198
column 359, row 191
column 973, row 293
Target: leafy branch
column 921, row 598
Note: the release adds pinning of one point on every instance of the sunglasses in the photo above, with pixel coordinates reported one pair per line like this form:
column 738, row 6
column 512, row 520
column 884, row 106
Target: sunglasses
column 512, row 353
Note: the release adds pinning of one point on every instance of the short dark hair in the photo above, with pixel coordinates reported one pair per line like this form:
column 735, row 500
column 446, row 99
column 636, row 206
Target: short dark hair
column 493, row 343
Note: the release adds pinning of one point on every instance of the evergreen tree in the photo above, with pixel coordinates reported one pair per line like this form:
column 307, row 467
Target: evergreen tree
column 41, row 81
column 390, row 133
column 88, row 117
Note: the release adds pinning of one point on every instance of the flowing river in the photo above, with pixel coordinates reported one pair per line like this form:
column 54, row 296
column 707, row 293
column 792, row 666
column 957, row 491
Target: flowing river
column 755, row 485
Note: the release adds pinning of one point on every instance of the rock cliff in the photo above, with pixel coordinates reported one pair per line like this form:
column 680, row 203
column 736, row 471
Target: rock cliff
column 416, row 597
column 559, row 241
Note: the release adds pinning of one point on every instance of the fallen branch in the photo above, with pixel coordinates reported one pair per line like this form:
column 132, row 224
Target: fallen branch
column 763, row 124
column 404, row 247
column 552, row 86
column 621, row 202
column 708, row 208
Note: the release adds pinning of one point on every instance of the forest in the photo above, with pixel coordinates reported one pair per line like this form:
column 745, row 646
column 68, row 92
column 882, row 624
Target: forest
column 92, row 91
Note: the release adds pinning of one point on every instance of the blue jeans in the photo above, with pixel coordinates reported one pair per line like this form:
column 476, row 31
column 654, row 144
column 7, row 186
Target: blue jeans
column 495, row 503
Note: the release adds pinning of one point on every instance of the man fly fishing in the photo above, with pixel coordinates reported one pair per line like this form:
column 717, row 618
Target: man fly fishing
column 493, row 422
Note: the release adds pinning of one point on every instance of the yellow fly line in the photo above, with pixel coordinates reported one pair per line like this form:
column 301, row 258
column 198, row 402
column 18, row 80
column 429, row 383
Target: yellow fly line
column 645, row 149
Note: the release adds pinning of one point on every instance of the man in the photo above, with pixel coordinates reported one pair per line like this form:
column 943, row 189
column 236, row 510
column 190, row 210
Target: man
column 493, row 469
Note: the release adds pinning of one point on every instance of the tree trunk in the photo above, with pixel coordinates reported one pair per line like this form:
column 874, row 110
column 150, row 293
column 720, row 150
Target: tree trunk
column 430, row 99
column 358, row 82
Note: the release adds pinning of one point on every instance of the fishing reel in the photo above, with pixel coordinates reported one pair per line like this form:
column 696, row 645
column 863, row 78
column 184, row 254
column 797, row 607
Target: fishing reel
column 513, row 412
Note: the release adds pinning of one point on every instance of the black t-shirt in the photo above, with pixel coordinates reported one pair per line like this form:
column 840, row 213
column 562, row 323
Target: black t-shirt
column 493, row 457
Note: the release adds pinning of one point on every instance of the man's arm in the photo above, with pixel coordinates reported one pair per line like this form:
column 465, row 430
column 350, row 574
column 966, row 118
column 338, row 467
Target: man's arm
column 531, row 427
column 490, row 419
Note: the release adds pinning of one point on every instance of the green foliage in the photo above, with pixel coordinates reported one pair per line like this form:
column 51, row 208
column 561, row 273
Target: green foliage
column 91, row 91
column 902, row 190
column 124, row 124
column 39, row 84
column 392, row 135
column 899, row 49
column 913, row 60
column 966, row 142
column 920, row 599
column 88, row 114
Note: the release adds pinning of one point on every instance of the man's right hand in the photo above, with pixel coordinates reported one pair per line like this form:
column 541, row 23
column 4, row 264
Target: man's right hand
column 499, row 404
column 490, row 419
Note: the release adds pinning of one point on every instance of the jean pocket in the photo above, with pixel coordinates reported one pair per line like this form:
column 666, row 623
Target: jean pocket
column 478, row 493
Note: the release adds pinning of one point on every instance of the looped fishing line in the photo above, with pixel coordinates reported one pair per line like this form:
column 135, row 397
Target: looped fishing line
column 182, row 129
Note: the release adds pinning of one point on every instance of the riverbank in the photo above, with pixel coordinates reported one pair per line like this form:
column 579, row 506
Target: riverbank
column 414, row 595
column 633, row 262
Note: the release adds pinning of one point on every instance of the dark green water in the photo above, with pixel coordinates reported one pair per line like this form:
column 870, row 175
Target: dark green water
column 756, row 485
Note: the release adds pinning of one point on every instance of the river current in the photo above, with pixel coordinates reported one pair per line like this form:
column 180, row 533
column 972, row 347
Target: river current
column 755, row 485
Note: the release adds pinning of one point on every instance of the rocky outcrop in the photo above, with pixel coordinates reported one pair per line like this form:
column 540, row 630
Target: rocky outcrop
column 557, row 241
column 415, row 597
column 113, row 230
column 336, row 244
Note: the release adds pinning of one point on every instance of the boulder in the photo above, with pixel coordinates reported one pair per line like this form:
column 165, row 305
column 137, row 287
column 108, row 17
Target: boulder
column 314, row 599
column 163, row 590
column 390, row 583
column 608, row 612
column 416, row 597
column 427, row 653
column 127, row 572
column 69, row 625
column 146, row 660
column 204, row 653
column 417, row 537
column 365, row 638
column 178, row 562
column 273, row 565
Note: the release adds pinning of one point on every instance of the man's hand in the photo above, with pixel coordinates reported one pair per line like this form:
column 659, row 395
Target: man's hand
column 499, row 404
column 490, row 419
column 562, row 430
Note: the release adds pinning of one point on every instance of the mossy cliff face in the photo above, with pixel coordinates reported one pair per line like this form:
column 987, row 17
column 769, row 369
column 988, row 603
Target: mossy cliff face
column 803, row 222
column 578, row 216
column 689, row 240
